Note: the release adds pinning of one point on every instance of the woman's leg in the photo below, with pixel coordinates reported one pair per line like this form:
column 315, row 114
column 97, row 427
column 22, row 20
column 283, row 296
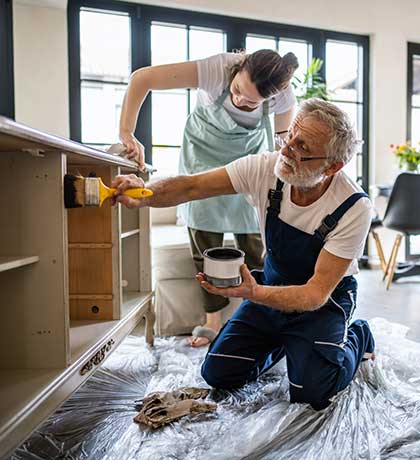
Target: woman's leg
column 213, row 304
column 251, row 244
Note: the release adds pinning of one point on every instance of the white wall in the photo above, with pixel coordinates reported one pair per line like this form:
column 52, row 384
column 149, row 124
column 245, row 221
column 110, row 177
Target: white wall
column 42, row 76
column 41, row 67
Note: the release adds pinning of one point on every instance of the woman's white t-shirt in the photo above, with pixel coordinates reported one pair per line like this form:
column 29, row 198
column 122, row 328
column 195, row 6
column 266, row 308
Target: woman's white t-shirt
column 213, row 79
column 254, row 176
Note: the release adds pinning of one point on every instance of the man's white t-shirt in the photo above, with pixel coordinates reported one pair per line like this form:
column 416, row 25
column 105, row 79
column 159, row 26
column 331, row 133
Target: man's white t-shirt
column 213, row 79
column 254, row 176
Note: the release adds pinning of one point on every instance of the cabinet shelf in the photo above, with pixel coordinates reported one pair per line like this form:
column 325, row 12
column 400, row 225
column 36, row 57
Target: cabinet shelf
column 9, row 262
column 133, row 300
column 130, row 233
column 85, row 333
column 25, row 394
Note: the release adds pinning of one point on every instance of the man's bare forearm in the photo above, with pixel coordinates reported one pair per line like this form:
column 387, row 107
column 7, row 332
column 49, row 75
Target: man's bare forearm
column 289, row 298
column 170, row 192
column 180, row 189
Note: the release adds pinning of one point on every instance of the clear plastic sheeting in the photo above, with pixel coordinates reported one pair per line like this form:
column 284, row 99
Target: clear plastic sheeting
column 376, row 417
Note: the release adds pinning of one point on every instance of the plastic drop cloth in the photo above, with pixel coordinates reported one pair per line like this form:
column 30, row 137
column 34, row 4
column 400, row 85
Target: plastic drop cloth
column 376, row 417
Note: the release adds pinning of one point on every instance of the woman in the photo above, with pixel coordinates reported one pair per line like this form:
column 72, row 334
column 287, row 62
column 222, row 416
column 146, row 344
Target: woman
column 231, row 120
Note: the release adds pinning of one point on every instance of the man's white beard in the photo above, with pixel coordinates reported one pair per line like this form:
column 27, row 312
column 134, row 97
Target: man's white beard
column 305, row 178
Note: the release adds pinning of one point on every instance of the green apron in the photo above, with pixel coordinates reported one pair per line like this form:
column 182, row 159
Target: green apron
column 213, row 139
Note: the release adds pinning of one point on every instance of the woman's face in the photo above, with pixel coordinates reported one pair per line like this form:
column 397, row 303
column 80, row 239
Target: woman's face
column 244, row 92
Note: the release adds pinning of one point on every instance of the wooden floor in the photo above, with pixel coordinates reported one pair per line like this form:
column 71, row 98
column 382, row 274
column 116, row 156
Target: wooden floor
column 400, row 304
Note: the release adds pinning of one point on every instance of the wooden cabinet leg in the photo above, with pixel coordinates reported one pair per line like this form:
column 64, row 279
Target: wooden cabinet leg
column 150, row 323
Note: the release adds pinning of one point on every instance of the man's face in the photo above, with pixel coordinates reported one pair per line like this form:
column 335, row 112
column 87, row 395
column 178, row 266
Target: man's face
column 308, row 137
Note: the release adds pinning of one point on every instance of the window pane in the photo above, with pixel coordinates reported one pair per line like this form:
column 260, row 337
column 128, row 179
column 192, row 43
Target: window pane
column 206, row 42
column 415, row 244
column 415, row 101
column 354, row 111
column 193, row 99
column 105, row 46
column 165, row 160
column 353, row 168
column 342, row 71
column 415, row 126
column 169, row 43
column 255, row 43
column 302, row 50
column 101, row 108
column 169, row 113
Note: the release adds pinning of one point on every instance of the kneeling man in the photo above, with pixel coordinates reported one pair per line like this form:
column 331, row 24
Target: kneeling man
column 314, row 220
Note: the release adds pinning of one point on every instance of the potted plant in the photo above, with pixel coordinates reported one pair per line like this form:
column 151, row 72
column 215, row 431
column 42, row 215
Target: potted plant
column 408, row 156
column 312, row 84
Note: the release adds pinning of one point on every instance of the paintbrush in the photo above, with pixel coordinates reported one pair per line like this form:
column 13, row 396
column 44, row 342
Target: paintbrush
column 82, row 191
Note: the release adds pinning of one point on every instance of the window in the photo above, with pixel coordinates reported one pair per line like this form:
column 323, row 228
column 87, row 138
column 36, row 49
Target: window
column 148, row 35
column 413, row 93
column 170, row 108
column 344, row 78
column 105, row 66
column 413, row 123
column 6, row 59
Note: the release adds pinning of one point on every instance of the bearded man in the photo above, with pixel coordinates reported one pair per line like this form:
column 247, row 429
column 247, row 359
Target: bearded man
column 314, row 221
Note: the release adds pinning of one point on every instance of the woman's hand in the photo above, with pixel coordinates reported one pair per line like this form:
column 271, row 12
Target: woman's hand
column 134, row 148
column 123, row 183
column 245, row 290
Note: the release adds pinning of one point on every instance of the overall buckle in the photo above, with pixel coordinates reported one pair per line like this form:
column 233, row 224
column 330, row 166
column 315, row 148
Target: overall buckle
column 328, row 224
column 275, row 197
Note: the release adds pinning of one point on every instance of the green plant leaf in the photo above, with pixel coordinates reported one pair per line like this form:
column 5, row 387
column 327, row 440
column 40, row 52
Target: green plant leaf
column 312, row 84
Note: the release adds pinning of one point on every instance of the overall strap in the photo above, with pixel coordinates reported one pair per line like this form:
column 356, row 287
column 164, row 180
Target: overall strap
column 223, row 96
column 267, row 124
column 274, row 197
column 330, row 221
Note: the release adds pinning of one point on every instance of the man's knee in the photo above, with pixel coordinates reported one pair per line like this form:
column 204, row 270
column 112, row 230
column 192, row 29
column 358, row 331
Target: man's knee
column 220, row 376
column 319, row 385
column 311, row 395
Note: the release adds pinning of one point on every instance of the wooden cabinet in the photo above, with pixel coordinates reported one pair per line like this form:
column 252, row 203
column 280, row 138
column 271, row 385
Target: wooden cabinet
column 73, row 283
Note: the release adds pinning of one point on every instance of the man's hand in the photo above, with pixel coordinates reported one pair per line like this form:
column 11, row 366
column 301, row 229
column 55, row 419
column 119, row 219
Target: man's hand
column 125, row 182
column 246, row 289
column 134, row 148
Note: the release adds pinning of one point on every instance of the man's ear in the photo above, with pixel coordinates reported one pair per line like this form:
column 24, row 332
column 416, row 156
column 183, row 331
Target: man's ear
column 334, row 168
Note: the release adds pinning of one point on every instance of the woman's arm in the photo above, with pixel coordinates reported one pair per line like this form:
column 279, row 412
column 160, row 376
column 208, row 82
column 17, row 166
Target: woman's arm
column 170, row 76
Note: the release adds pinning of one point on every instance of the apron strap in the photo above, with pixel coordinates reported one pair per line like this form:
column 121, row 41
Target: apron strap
column 267, row 123
column 222, row 97
column 265, row 117
column 274, row 197
column 330, row 221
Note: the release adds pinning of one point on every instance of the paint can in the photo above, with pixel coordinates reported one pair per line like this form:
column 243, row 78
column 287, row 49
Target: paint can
column 222, row 266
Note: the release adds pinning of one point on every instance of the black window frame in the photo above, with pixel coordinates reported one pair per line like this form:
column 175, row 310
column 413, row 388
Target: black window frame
column 236, row 30
column 7, row 99
column 413, row 49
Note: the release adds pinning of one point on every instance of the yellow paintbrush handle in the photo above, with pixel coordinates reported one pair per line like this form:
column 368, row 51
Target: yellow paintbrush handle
column 138, row 192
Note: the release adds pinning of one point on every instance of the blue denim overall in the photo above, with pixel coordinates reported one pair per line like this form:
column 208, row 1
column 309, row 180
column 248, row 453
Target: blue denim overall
column 322, row 351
